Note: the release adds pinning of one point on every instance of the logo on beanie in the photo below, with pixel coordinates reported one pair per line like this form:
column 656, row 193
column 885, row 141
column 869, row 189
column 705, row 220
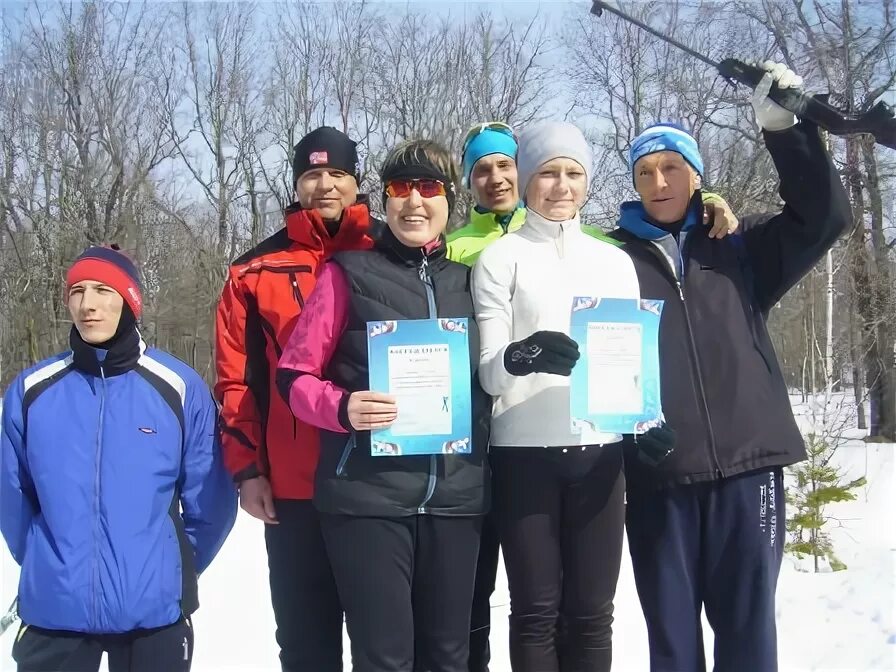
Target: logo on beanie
column 317, row 158
column 135, row 296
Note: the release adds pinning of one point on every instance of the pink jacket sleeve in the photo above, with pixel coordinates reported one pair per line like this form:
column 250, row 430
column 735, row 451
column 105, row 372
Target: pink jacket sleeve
column 309, row 350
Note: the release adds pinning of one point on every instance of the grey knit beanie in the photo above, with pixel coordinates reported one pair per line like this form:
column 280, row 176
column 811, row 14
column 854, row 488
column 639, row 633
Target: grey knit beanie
column 550, row 140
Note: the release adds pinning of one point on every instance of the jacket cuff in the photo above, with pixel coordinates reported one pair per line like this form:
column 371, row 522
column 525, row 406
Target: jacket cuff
column 251, row 471
column 802, row 130
column 342, row 413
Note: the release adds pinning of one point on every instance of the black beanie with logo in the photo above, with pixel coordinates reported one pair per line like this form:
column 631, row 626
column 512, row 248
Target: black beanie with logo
column 326, row 147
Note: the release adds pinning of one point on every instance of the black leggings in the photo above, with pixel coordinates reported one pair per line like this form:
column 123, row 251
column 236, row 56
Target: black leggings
column 561, row 517
column 407, row 587
column 303, row 592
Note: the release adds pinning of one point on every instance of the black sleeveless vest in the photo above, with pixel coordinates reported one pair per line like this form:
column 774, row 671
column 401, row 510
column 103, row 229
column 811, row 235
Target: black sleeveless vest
column 389, row 283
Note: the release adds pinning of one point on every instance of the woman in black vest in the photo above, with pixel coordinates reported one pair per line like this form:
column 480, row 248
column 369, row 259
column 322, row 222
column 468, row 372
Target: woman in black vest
column 402, row 531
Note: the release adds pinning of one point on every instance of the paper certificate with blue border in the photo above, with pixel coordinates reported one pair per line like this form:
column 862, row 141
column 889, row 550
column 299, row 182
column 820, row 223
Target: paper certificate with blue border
column 425, row 365
column 615, row 386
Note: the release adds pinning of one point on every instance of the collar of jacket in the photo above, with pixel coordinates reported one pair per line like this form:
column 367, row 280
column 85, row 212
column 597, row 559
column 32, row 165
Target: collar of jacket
column 486, row 221
column 307, row 228
column 634, row 219
column 435, row 253
column 120, row 358
column 541, row 228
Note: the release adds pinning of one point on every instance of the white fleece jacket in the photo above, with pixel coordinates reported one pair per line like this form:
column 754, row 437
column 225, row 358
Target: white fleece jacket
column 523, row 283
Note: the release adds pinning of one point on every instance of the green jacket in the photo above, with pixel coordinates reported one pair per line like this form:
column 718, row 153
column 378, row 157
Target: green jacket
column 466, row 243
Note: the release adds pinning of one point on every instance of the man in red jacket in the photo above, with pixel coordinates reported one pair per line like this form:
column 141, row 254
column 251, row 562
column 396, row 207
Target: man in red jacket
column 271, row 455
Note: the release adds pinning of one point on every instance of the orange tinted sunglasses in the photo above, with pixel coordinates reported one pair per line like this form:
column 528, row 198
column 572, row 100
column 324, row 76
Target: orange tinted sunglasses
column 427, row 188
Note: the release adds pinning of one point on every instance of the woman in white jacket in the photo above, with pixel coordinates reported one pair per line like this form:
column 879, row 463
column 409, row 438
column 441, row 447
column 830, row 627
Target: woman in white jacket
column 558, row 495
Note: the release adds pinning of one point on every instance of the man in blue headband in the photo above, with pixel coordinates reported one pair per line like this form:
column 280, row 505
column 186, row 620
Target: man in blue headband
column 705, row 521
column 489, row 171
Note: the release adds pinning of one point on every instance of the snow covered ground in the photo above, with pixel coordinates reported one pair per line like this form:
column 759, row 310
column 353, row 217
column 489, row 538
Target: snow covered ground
column 844, row 621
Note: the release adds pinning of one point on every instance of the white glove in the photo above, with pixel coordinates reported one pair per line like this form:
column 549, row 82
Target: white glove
column 769, row 115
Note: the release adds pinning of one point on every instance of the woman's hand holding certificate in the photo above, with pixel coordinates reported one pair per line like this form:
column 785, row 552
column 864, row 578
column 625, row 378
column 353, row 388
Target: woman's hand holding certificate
column 369, row 410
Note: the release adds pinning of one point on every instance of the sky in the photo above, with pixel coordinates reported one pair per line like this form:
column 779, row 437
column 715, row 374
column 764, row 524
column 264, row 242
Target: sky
column 550, row 12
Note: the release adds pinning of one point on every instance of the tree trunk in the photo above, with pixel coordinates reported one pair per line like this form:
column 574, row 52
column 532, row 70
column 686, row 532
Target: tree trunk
column 829, row 328
column 857, row 378
column 874, row 373
column 812, row 337
column 883, row 306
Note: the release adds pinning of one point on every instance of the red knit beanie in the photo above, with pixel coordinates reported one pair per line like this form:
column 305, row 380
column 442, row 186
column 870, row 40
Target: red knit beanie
column 109, row 265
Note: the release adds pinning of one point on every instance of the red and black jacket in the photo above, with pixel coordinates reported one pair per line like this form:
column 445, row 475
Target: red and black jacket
column 265, row 292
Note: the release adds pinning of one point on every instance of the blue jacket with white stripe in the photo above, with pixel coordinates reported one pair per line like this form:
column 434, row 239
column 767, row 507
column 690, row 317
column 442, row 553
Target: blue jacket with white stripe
column 113, row 494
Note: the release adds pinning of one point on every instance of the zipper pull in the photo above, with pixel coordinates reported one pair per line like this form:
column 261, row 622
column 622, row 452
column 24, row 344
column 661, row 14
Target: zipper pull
column 423, row 269
column 680, row 290
column 504, row 222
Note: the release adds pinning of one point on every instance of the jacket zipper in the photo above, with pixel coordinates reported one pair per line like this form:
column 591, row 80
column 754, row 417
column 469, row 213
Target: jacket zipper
column 426, row 279
column 292, row 270
column 695, row 360
column 297, row 294
column 258, row 267
column 96, row 504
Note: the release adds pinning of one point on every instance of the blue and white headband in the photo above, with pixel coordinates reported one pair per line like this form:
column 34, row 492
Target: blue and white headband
column 665, row 137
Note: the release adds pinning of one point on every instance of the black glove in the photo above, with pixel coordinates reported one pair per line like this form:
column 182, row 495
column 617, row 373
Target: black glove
column 655, row 445
column 542, row 352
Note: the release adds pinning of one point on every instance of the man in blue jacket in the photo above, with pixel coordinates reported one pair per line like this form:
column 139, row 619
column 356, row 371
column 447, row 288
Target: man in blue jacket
column 113, row 496
column 706, row 521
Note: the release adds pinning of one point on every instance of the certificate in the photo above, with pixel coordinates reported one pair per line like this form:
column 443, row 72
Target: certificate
column 425, row 365
column 615, row 388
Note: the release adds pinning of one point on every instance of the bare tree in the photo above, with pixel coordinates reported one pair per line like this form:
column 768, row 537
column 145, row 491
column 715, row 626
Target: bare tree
column 80, row 136
column 219, row 84
column 295, row 92
column 171, row 129
column 853, row 53
column 626, row 79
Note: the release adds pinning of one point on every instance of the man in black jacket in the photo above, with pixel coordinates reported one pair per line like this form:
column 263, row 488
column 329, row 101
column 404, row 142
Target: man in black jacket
column 706, row 519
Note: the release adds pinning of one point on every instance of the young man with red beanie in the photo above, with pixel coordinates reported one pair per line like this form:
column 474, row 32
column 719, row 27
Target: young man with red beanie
column 113, row 495
column 272, row 455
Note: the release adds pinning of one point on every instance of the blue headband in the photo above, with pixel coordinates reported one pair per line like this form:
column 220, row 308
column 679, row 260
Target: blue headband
column 665, row 137
column 485, row 143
